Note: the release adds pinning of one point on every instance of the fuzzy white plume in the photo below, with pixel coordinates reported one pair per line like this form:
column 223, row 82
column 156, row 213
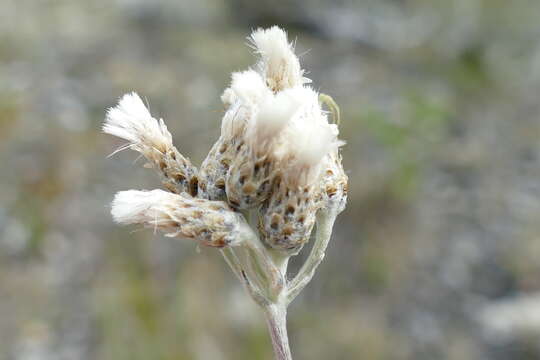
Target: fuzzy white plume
column 138, row 207
column 243, row 98
column 228, row 97
column 273, row 114
column 249, row 87
column 278, row 64
column 308, row 137
column 131, row 120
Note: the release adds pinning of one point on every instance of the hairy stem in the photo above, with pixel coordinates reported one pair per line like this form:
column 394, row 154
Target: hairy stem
column 236, row 267
column 256, row 271
column 276, row 278
column 325, row 222
column 276, row 319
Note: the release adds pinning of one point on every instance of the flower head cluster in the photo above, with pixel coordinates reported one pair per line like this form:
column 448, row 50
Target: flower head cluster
column 276, row 147
column 273, row 173
column 277, row 156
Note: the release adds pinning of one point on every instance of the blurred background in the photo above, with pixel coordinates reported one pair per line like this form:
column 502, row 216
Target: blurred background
column 437, row 255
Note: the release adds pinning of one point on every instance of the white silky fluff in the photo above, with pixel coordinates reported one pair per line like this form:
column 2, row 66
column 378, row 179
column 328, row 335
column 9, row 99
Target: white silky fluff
column 249, row 87
column 278, row 64
column 255, row 109
column 273, row 114
column 246, row 92
column 308, row 136
column 131, row 120
column 137, row 207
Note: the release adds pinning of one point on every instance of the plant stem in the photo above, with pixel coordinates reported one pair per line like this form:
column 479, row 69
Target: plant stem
column 235, row 265
column 325, row 222
column 276, row 319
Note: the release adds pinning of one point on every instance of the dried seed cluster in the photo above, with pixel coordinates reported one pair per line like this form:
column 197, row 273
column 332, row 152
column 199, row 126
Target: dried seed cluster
column 275, row 163
column 277, row 156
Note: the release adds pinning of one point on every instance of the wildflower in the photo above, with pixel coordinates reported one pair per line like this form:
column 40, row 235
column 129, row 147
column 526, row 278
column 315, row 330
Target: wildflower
column 274, row 127
column 275, row 168
column 287, row 217
column 248, row 182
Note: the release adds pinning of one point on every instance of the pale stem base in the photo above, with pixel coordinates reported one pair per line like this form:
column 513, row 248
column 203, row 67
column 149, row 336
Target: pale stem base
column 264, row 271
column 276, row 319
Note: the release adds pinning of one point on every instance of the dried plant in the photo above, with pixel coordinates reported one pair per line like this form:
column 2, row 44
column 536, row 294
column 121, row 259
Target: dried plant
column 272, row 175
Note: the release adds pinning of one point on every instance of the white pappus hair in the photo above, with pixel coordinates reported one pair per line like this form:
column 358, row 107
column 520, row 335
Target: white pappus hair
column 131, row 120
column 138, row 207
column 307, row 137
column 279, row 65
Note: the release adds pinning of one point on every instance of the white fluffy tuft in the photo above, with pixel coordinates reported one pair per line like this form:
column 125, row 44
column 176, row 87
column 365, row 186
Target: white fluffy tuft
column 131, row 120
column 243, row 98
column 273, row 114
column 228, row 97
column 249, row 87
column 308, row 137
column 136, row 207
column 278, row 64
column 312, row 143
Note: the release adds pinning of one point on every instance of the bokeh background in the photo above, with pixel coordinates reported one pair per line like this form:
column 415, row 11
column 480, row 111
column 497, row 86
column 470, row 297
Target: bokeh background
column 436, row 257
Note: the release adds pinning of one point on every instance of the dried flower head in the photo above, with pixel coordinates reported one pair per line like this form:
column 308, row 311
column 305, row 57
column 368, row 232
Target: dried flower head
column 275, row 163
column 287, row 217
column 248, row 181
column 131, row 121
column 246, row 90
column 274, row 152
column 212, row 223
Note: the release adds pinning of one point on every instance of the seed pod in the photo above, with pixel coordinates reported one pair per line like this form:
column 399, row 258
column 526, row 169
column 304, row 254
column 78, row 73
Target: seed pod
column 212, row 223
column 286, row 219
